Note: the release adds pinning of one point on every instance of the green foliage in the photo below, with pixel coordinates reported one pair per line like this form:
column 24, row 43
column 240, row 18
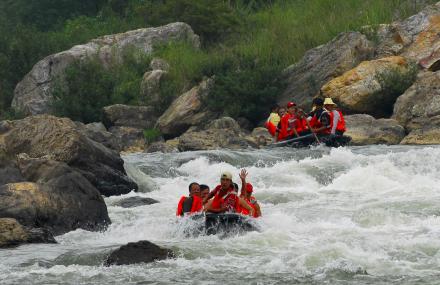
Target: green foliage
column 151, row 135
column 88, row 86
column 394, row 83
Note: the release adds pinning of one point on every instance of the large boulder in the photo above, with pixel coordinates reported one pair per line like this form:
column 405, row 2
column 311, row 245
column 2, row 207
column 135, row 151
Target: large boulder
column 186, row 111
column 138, row 252
column 415, row 38
column 418, row 109
column 360, row 91
column 140, row 117
column 60, row 139
column 130, row 139
column 221, row 133
column 365, row 130
column 99, row 133
column 323, row 63
column 33, row 94
column 54, row 196
column 12, row 233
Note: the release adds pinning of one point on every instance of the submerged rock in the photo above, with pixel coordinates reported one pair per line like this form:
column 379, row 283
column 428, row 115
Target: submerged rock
column 60, row 140
column 132, row 202
column 138, row 252
column 12, row 233
column 53, row 196
column 365, row 130
column 323, row 63
column 33, row 95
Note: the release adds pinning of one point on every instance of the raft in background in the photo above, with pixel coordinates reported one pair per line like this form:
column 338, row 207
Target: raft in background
column 310, row 139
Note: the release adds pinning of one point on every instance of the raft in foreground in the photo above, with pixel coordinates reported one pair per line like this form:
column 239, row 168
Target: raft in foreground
column 228, row 223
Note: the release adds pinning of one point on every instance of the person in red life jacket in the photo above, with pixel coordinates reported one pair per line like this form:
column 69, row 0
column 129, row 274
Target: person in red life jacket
column 287, row 124
column 336, row 118
column 321, row 121
column 246, row 194
column 225, row 198
column 204, row 192
column 192, row 204
column 273, row 120
column 302, row 127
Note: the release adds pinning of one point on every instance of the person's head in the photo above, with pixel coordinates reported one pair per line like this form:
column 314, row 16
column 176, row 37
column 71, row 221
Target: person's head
column 235, row 186
column 300, row 113
column 249, row 189
column 194, row 189
column 281, row 111
column 318, row 102
column 274, row 108
column 204, row 191
column 291, row 107
column 226, row 180
column 329, row 104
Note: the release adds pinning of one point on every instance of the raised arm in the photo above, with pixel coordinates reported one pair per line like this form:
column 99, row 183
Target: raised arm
column 243, row 174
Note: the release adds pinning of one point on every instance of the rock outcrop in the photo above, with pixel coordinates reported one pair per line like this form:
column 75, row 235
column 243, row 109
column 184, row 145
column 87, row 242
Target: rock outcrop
column 138, row 252
column 221, row 133
column 323, row 63
column 34, row 93
column 12, row 233
column 418, row 110
column 360, row 91
column 60, row 140
column 186, row 111
column 53, row 196
column 415, row 38
column 140, row 117
column 366, row 130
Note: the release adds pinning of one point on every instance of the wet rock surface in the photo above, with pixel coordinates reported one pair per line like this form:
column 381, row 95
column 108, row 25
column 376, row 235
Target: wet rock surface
column 138, row 252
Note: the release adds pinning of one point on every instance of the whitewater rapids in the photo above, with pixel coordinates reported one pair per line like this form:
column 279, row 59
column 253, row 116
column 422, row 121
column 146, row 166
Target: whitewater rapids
column 358, row 215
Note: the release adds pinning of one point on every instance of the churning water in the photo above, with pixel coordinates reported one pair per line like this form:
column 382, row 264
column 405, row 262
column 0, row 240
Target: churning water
column 360, row 215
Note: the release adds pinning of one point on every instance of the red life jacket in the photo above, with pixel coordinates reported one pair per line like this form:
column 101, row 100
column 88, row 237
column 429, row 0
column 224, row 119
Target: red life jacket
column 316, row 122
column 284, row 123
column 228, row 200
column 341, row 123
column 251, row 203
column 197, row 205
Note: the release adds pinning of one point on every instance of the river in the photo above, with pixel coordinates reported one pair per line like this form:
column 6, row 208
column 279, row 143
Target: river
column 358, row 215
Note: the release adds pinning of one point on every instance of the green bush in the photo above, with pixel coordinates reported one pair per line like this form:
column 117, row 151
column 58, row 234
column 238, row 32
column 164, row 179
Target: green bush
column 88, row 86
column 151, row 135
column 394, row 83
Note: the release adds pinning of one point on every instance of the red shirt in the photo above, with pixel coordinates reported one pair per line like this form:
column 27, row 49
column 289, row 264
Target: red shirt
column 229, row 200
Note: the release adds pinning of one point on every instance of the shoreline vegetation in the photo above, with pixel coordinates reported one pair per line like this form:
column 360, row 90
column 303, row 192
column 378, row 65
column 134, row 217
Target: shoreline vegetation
column 245, row 44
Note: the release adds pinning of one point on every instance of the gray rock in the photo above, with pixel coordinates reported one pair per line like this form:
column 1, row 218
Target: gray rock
column 323, row 63
column 98, row 133
column 140, row 117
column 12, row 233
column 221, row 133
column 54, row 196
column 366, row 130
column 161, row 147
column 33, row 94
column 132, row 202
column 60, row 139
column 159, row 64
column 130, row 139
column 418, row 110
column 150, row 87
column 138, row 252
column 186, row 111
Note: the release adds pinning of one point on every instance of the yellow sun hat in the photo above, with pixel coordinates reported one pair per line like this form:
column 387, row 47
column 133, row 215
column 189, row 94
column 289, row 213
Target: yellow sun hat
column 329, row 101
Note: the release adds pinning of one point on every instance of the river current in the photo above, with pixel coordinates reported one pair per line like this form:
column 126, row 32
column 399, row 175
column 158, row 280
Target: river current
column 358, row 215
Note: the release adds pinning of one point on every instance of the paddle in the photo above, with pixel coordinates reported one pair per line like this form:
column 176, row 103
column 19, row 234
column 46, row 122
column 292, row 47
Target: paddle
column 314, row 134
column 291, row 140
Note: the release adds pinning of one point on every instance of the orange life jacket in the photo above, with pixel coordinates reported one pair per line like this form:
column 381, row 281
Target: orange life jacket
column 271, row 128
column 251, row 202
column 341, row 123
column 197, row 205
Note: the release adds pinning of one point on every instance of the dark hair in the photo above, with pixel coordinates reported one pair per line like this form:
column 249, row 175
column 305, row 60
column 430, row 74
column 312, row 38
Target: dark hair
column 235, row 186
column 275, row 107
column 203, row 187
column 318, row 101
column 190, row 185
